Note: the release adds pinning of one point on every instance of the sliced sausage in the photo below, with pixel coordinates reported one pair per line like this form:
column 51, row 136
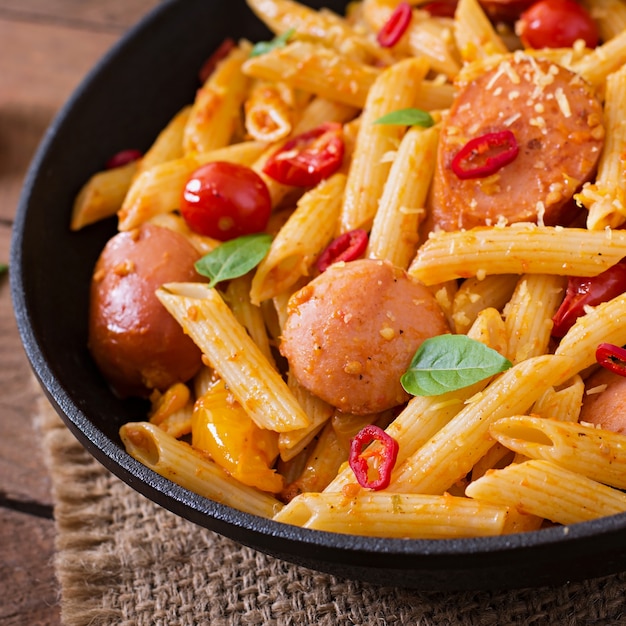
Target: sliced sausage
column 556, row 120
column 605, row 406
column 351, row 333
column 135, row 342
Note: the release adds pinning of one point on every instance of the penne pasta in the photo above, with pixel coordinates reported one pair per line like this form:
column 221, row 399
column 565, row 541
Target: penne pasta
column 393, row 90
column 405, row 516
column 256, row 385
column 178, row 461
column 593, row 452
column 517, row 249
column 214, row 115
column 299, row 242
column 544, row 489
column 394, row 233
column 317, row 70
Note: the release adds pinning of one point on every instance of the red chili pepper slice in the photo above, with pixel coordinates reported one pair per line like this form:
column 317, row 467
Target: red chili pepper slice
column 485, row 155
column 123, row 158
column 222, row 51
column 346, row 247
column 583, row 292
column 612, row 357
column 386, row 456
column 395, row 26
column 308, row 158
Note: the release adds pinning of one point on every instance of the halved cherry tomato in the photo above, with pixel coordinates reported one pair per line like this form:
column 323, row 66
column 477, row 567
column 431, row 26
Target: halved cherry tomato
column 556, row 24
column 583, row 292
column 226, row 200
column 308, row 158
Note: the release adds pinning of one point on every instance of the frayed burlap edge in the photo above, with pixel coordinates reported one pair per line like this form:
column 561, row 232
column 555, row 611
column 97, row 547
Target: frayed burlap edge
column 121, row 559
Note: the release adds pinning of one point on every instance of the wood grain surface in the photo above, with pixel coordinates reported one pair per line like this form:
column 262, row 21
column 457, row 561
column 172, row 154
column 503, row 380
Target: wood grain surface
column 46, row 48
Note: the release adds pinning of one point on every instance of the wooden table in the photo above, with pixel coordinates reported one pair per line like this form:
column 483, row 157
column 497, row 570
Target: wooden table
column 46, row 47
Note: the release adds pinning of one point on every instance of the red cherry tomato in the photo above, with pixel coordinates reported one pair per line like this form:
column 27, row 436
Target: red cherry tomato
column 226, row 200
column 556, row 24
column 308, row 158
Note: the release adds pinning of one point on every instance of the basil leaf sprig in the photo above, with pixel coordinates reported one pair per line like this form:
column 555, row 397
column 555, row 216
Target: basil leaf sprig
column 234, row 258
column 450, row 362
column 262, row 47
column 407, row 117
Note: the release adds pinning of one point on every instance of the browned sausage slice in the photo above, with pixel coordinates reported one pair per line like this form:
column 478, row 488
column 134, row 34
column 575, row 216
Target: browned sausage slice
column 557, row 123
column 135, row 342
column 351, row 333
column 605, row 402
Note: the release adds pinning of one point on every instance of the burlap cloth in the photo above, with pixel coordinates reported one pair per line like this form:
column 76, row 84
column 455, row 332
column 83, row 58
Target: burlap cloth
column 120, row 559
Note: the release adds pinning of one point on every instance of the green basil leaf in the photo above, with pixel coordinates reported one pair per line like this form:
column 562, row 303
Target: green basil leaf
column 234, row 258
column 449, row 362
column 262, row 47
column 407, row 117
column 4, row 268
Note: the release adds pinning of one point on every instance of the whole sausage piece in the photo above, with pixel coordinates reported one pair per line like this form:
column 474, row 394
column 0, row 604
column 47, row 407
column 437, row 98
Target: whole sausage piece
column 351, row 333
column 605, row 406
column 556, row 121
column 135, row 342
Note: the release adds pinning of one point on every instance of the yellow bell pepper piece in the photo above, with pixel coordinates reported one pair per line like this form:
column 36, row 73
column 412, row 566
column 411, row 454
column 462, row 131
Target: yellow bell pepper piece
column 221, row 427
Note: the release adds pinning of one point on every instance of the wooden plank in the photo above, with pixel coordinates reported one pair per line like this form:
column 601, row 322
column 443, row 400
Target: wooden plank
column 36, row 81
column 22, row 473
column 110, row 15
column 29, row 588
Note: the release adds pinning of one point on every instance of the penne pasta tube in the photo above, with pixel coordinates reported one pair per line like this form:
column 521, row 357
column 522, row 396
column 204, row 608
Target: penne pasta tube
column 544, row 489
column 319, row 412
column 237, row 296
column 394, row 89
column 317, row 70
column 169, row 142
column 605, row 199
column 562, row 404
column 158, row 189
column 424, row 36
column 452, row 452
column 102, row 195
column 215, row 112
column 474, row 34
column 475, row 295
column 394, row 233
column 180, row 463
column 609, row 57
column 593, row 452
column 528, row 315
column 517, row 249
column 603, row 323
column 268, row 116
column 404, row 516
column 609, row 16
column 322, row 464
column 254, row 383
column 300, row 241
column 323, row 26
